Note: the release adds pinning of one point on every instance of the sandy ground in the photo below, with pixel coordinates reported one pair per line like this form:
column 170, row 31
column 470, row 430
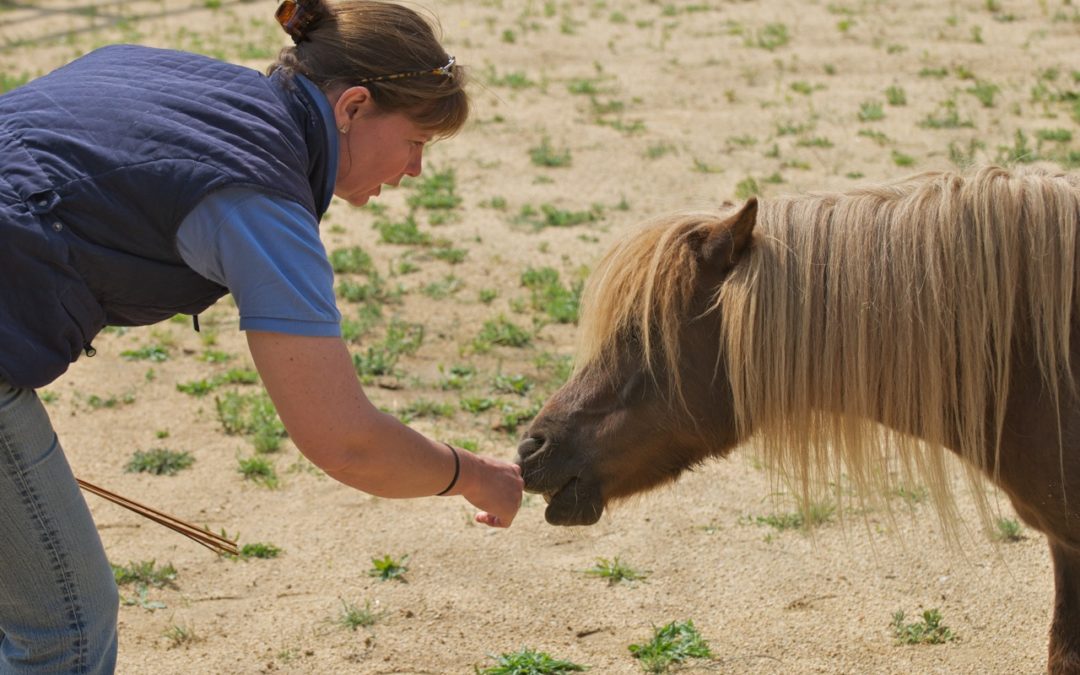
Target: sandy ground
column 662, row 106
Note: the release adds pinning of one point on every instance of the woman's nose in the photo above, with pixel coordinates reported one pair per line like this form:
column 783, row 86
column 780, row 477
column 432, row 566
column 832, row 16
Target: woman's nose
column 415, row 164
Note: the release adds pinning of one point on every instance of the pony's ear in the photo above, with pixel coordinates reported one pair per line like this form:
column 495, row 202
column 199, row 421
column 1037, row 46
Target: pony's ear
column 726, row 241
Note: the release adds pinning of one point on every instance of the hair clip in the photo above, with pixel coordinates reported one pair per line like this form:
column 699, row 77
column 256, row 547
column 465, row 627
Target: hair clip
column 295, row 16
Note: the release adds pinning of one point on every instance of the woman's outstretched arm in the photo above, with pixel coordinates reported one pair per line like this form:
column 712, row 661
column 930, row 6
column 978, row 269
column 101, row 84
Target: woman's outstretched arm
column 314, row 387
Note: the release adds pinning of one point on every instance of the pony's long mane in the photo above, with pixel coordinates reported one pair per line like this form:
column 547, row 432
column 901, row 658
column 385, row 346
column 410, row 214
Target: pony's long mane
column 899, row 302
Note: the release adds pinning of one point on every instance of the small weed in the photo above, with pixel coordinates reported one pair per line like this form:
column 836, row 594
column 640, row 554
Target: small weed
column 746, row 188
column 487, row 295
column 552, row 216
column 477, row 405
column 812, row 515
column 159, row 461
column 405, row 232
column 560, row 303
column 1019, row 153
column 353, row 617
column 388, row 567
column 658, row 150
column 965, row 157
column 145, row 573
column 815, row 142
column 435, row 190
column 1008, row 530
column 215, row 356
column 948, row 119
column 671, row 645
column 196, row 387
column 876, row 136
column 871, row 111
column 1054, row 135
column 771, row 37
column 97, row 403
column 178, row 635
column 154, row 353
column 457, row 377
column 503, row 332
column 9, row 82
column 584, row 86
column 902, row 160
column 928, row 631
column 512, row 384
column 530, row 662
column 985, row 92
column 513, row 80
column 497, row 203
column 423, row 407
column 259, row 550
column 912, row 495
column 559, row 367
column 449, row 254
column 353, row 260
column 614, row 571
column 374, row 291
column 513, row 417
column 896, row 96
column 142, row 599
column 258, row 470
column 252, row 415
column 805, row 88
column 546, row 155
column 443, row 288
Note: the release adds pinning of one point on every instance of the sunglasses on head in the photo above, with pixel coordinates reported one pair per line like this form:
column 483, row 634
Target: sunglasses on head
column 443, row 71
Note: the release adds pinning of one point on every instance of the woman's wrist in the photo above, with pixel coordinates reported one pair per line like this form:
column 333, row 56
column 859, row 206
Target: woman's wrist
column 457, row 471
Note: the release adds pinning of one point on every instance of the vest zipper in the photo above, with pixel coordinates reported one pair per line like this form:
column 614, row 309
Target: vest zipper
column 89, row 350
column 195, row 322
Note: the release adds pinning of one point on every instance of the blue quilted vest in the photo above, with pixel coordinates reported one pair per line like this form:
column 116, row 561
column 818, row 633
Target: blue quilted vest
column 101, row 160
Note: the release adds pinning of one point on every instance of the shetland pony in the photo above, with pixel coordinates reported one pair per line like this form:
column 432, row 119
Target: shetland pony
column 852, row 333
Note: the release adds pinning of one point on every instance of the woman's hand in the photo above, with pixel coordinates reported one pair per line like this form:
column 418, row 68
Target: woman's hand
column 491, row 485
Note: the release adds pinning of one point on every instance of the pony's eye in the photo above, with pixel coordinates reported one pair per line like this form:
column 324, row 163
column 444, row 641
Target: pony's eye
column 633, row 390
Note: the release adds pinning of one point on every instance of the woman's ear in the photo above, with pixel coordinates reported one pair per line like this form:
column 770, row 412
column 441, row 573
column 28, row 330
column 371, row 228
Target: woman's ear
column 352, row 103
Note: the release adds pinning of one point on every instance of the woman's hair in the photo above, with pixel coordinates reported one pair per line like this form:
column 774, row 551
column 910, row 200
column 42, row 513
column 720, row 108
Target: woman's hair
column 360, row 42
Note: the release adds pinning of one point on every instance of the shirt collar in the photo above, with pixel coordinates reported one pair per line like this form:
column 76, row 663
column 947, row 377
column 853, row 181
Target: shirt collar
column 329, row 131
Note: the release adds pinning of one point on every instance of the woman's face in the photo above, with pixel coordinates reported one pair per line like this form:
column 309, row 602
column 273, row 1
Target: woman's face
column 374, row 148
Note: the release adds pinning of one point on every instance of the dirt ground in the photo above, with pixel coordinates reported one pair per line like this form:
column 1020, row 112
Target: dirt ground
column 652, row 107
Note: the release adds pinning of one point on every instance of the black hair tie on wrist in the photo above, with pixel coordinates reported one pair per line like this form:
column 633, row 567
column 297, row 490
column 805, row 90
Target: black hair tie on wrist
column 457, row 470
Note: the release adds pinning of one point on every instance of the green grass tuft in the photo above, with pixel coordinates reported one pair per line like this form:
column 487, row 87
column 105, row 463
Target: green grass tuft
column 159, row 461
column 530, row 662
column 671, row 645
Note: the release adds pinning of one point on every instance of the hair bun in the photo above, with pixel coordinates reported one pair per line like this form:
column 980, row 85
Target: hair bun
column 296, row 17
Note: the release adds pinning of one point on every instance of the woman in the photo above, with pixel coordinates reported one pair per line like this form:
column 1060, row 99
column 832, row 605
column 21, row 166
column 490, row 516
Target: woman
column 138, row 183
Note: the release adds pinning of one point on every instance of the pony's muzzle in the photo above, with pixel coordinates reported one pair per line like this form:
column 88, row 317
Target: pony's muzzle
column 528, row 451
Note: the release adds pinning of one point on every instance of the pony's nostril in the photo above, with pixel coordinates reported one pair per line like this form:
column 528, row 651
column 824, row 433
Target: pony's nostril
column 529, row 447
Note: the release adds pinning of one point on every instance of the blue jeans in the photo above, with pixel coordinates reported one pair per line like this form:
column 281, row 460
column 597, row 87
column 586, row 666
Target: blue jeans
column 58, row 598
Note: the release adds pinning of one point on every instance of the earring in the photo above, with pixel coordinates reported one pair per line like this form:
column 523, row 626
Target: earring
column 344, row 128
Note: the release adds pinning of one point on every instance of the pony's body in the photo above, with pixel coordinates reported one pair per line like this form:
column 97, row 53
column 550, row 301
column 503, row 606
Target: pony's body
column 845, row 333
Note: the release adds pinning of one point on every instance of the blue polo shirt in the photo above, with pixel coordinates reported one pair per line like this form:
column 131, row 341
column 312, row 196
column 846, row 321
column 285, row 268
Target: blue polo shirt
column 266, row 250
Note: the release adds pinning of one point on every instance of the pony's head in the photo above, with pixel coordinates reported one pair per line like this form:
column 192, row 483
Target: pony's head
column 649, row 397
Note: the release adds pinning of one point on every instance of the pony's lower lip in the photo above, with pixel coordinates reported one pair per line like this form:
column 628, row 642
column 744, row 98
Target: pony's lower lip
column 578, row 502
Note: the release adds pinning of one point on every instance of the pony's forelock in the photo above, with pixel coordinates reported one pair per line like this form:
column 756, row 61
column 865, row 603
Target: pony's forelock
column 642, row 287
